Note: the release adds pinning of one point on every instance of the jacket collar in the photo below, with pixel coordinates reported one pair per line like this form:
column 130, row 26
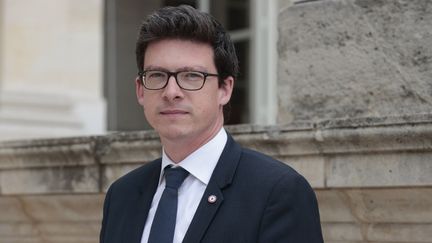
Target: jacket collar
column 146, row 188
column 221, row 178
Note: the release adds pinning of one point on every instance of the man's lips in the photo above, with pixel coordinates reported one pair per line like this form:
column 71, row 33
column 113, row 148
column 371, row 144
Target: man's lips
column 173, row 112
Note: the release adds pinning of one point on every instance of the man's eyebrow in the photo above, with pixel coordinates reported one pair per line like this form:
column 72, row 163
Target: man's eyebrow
column 192, row 68
column 151, row 67
column 184, row 68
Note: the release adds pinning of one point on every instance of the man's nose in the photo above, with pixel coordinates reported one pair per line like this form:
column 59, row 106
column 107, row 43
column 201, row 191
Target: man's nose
column 172, row 90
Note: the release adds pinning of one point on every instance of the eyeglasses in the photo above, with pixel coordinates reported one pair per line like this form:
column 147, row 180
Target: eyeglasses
column 187, row 80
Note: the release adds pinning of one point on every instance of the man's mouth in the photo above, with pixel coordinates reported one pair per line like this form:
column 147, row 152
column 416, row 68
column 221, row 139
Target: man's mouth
column 173, row 112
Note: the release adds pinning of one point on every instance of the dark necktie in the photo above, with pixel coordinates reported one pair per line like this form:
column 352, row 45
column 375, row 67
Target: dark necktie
column 163, row 226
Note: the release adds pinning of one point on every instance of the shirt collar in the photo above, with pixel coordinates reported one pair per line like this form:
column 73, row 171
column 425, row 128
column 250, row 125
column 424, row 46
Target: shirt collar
column 202, row 161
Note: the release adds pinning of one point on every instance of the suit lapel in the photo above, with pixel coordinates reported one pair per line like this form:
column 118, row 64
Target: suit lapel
column 221, row 178
column 138, row 211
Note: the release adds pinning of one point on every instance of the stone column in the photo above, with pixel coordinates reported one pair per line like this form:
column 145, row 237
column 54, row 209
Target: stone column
column 346, row 58
column 51, row 68
column 358, row 64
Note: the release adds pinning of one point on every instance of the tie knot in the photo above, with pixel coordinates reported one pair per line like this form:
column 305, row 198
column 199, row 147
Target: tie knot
column 174, row 177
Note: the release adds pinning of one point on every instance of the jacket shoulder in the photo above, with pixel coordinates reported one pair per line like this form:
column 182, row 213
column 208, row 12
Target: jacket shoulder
column 265, row 165
column 136, row 176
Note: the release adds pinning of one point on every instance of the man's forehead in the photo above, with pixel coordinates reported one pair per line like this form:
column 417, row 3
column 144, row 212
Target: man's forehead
column 168, row 40
column 185, row 54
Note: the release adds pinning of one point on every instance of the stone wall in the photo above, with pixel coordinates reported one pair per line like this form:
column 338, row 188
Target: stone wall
column 364, row 66
column 51, row 61
column 372, row 177
column 354, row 58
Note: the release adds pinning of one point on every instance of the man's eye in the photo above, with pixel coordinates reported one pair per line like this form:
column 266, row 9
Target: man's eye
column 156, row 75
column 193, row 75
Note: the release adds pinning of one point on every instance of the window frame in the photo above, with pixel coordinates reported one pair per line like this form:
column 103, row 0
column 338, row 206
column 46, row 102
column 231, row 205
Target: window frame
column 262, row 35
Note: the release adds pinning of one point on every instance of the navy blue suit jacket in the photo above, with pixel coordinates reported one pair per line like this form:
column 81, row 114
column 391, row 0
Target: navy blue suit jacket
column 259, row 199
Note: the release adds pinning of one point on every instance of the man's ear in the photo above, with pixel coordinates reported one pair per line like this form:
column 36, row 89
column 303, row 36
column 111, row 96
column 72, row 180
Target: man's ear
column 226, row 90
column 139, row 89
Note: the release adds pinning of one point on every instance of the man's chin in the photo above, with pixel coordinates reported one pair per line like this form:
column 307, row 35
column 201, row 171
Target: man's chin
column 173, row 132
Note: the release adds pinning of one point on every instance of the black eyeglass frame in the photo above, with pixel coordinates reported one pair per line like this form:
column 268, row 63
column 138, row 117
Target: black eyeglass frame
column 142, row 74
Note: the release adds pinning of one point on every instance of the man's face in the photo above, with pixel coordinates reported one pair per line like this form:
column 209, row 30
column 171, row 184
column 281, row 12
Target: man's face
column 177, row 114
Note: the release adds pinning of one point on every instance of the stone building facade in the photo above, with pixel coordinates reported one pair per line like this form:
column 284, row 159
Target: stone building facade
column 51, row 68
column 354, row 117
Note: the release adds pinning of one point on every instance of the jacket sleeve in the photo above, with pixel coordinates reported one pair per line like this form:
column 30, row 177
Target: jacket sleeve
column 105, row 216
column 291, row 214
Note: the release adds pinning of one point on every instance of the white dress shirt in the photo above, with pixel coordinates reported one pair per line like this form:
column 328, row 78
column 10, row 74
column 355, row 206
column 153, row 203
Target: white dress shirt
column 200, row 165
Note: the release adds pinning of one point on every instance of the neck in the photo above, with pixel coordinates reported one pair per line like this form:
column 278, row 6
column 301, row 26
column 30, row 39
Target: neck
column 177, row 150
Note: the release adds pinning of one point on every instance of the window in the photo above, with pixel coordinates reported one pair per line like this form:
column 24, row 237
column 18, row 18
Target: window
column 234, row 15
column 252, row 26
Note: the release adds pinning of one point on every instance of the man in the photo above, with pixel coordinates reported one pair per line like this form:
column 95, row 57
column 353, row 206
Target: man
column 224, row 193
